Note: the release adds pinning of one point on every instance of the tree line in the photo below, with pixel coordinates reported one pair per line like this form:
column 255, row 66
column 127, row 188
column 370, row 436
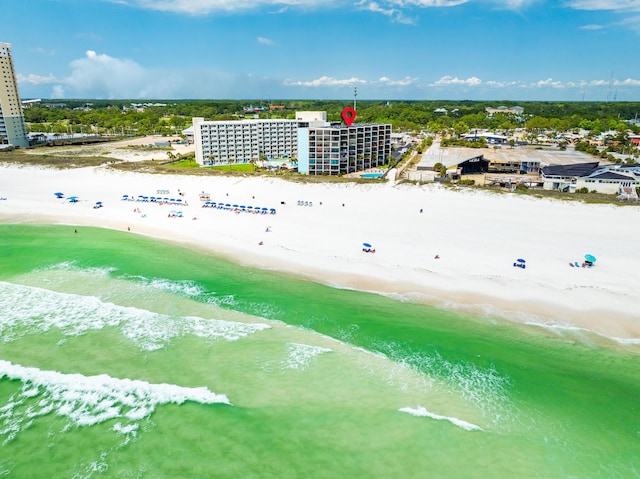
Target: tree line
column 170, row 117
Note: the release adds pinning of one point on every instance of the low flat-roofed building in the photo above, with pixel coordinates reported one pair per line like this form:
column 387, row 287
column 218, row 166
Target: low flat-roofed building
column 464, row 161
column 512, row 110
column 493, row 138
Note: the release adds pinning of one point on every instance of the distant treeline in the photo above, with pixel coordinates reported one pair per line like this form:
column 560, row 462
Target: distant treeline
column 172, row 116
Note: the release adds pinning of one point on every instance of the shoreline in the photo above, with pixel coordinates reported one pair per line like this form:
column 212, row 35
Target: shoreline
column 477, row 236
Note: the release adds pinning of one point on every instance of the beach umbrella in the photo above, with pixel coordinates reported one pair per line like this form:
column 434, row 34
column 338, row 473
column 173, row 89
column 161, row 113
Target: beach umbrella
column 179, row 200
column 590, row 258
column 59, row 195
column 520, row 260
column 98, row 202
column 366, row 245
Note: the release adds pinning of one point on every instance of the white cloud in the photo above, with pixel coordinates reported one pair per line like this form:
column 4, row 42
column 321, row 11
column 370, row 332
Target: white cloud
column 628, row 82
column 613, row 5
column 35, row 79
column 107, row 75
column 58, row 92
column 43, row 51
column 449, row 80
column 205, row 7
column 429, row 3
column 592, row 27
column 404, row 82
column 265, row 41
column 393, row 13
column 549, row 82
column 325, row 81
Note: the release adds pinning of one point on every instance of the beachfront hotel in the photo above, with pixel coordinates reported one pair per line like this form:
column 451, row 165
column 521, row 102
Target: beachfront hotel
column 12, row 127
column 321, row 147
column 340, row 149
column 243, row 141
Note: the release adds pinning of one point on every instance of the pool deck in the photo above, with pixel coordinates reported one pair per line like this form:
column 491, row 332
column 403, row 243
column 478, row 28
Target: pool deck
column 370, row 171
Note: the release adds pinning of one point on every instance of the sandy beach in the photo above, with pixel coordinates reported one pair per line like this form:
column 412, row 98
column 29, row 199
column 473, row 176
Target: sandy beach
column 453, row 249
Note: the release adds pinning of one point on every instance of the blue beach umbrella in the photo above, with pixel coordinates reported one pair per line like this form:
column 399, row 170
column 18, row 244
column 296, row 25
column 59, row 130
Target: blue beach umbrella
column 366, row 245
column 520, row 260
column 590, row 258
column 59, row 195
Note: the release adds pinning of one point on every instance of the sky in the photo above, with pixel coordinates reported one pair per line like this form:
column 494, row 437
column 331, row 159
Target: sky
column 268, row 50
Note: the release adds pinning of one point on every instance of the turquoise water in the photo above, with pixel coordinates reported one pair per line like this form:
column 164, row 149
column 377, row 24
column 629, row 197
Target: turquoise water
column 371, row 175
column 121, row 356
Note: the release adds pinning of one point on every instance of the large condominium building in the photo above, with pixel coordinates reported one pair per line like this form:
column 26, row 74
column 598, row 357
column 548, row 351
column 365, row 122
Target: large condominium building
column 224, row 142
column 321, row 148
column 12, row 127
column 338, row 150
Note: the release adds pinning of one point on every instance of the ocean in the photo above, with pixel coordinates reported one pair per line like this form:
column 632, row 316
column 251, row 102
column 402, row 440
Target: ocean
column 125, row 357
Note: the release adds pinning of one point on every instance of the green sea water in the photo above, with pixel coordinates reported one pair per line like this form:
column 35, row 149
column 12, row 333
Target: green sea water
column 122, row 356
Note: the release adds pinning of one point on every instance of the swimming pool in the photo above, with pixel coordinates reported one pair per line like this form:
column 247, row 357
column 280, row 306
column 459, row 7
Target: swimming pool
column 371, row 175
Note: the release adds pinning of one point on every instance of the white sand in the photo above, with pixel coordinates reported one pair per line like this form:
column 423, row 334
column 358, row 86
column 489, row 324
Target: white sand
column 478, row 236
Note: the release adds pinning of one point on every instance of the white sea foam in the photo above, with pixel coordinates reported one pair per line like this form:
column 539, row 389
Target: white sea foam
column 422, row 412
column 299, row 356
column 484, row 387
column 27, row 310
column 185, row 288
column 75, row 267
column 88, row 400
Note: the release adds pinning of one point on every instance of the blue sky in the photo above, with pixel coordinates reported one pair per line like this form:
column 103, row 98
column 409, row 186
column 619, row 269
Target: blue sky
column 568, row 50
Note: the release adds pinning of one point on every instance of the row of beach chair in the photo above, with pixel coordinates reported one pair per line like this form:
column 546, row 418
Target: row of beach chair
column 239, row 208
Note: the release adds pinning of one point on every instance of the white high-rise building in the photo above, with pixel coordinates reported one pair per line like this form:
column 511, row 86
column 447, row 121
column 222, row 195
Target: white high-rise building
column 12, row 127
column 341, row 149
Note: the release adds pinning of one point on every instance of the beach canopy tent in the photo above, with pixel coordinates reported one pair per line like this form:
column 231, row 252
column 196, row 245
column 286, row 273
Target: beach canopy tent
column 520, row 263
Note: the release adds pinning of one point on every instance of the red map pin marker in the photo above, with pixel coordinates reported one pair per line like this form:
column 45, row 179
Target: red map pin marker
column 348, row 115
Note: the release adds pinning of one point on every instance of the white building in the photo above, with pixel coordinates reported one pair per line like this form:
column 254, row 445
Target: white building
column 607, row 179
column 243, row 141
column 12, row 127
column 321, row 148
